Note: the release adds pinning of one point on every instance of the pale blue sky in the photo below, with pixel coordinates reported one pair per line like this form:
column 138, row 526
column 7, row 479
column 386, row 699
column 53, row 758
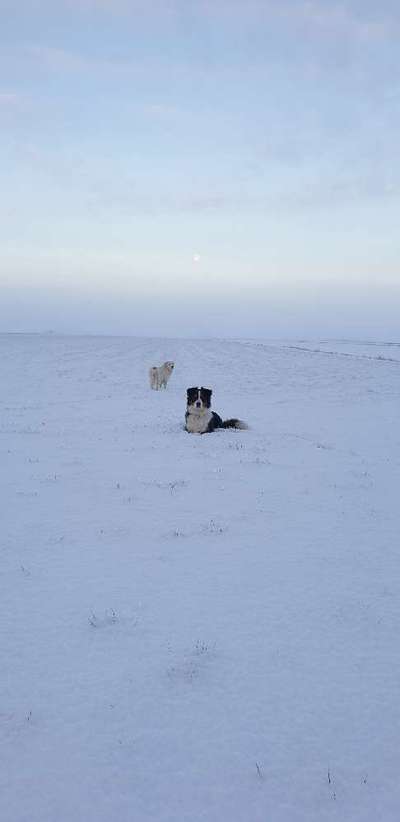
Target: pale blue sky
column 200, row 167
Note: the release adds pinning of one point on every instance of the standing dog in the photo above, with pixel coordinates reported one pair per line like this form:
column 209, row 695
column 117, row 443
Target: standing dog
column 199, row 419
column 160, row 376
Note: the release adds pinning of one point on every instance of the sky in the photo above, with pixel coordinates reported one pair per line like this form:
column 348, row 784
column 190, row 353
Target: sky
column 199, row 167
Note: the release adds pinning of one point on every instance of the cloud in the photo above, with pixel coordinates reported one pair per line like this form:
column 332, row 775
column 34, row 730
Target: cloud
column 373, row 22
column 303, row 195
column 325, row 17
column 248, row 27
column 161, row 110
column 330, row 18
column 59, row 59
column 340, row 19
column 8, row 99
column 68, row 61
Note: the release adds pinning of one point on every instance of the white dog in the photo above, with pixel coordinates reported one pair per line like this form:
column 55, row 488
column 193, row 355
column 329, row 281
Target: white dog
column 160, row 376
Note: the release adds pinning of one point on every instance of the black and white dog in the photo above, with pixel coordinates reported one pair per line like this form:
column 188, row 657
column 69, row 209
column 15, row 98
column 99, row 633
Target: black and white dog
column 199, row 419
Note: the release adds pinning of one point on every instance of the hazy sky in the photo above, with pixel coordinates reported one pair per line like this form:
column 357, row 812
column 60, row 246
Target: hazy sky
column 200, row 166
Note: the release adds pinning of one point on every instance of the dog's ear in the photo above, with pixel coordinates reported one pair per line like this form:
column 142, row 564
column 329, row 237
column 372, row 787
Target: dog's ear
column 191, row 392
column 205, row 394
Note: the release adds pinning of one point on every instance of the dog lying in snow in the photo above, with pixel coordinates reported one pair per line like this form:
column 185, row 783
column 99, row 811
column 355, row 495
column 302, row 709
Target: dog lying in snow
column 160, row 376
column 199, row 419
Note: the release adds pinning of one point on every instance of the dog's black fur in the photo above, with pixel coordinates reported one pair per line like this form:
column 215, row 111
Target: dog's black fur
column 197, row 420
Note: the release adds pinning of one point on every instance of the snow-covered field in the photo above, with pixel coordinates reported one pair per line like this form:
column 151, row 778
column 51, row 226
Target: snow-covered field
column 369, row 349
column 198, row 628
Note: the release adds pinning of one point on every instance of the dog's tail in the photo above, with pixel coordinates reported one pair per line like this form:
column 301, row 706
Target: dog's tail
column 234, row 423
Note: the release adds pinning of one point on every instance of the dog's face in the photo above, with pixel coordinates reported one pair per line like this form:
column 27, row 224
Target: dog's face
column 198, row 399
column 169, row 366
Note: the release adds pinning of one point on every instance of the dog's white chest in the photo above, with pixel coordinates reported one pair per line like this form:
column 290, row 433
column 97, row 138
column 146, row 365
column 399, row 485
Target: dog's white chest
column 198, row 423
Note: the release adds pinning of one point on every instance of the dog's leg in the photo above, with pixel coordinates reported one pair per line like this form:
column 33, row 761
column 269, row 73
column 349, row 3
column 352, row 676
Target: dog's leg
column 153, row 379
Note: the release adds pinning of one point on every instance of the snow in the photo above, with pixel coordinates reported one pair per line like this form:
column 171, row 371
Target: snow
column 370, row 349
column 199, row 627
